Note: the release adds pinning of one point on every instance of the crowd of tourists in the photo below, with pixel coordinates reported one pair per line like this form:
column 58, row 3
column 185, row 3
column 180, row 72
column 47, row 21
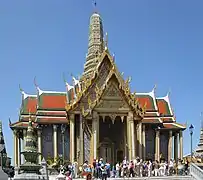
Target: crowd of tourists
column 134, row 168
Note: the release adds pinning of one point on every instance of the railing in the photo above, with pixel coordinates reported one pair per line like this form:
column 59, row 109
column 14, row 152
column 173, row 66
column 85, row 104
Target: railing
column 196, row 171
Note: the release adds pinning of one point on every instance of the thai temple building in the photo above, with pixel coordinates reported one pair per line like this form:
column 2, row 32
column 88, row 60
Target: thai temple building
column 199, row 150
column 3, row 153
column 102, row 117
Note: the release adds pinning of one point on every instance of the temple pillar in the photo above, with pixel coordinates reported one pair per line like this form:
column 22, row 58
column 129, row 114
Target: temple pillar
column 81, row 141
column 19, row 150
column 181, row 144
column 143, row 142
column 39, row 143
column 131, row 135
column 129, row 141
column 139, row 138
column 170, row 145
column 176, row 147
column 125, row 137
column 24, row 143
column 95, row 121
column 16, row 148
column 55, row 142
column 157, row 146
column 72, row 138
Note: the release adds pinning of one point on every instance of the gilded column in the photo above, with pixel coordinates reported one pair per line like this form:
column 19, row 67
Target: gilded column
column 129, row 141
column 16, row 148
column 81, row 141
column 125, row 137
column 170, row 145
column 157, row 145
column 39, row 142
column 140, row 139
column 132, row 135
column 95, row 133
column 181, row 144
column 19, row 151
column 72, row 137
column 24, row 142
column 143, row 142
column 55, row 141
column 176, row 147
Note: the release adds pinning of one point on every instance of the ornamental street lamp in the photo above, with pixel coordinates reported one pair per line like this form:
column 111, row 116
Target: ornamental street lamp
column 191, row 133
column 63, row 129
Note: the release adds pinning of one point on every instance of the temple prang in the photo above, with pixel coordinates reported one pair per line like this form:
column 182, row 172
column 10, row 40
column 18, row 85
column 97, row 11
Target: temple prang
column 104, row 118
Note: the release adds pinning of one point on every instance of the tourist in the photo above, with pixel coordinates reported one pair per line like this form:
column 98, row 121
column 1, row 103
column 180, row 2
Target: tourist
column 170, row 167
column 156, row 168
column 108, row 169
column 161, row 168
column 104, row 172
column 117, row 170
column 149, row 168
column 141, row 167
column 131, row 169
column 94, row 164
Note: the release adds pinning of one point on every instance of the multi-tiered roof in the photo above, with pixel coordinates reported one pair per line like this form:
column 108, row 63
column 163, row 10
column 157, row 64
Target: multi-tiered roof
column 49, row 107
column 199, row 149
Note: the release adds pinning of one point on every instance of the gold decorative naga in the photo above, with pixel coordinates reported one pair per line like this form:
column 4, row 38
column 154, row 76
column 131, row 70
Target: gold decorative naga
column 89, row 102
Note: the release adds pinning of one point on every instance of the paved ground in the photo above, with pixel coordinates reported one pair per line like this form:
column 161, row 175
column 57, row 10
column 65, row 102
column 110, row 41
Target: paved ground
column 143, row 178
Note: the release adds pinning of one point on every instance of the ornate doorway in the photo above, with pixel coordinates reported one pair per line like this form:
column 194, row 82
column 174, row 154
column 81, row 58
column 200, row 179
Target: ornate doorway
column 105, row 150
column 112, row 137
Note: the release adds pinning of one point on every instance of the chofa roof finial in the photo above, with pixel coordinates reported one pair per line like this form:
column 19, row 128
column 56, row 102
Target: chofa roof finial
column 64, row 78
column 21, row 90
column 154, row 88
column 35, row 83
column 169, row 92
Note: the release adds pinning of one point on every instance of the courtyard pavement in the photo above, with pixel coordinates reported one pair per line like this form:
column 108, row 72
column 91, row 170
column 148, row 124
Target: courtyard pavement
column 140, row 178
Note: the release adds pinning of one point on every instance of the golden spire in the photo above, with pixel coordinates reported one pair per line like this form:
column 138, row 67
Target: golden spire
column 95, row 43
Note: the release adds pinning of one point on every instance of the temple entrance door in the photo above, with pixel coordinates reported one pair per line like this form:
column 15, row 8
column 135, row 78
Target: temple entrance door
column 119, row 156
column 112, row 137
column 105, row 153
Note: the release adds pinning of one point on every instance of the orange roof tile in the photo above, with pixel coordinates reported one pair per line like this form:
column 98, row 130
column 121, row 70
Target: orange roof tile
column 146, row 99
column 52, row 101
column 163, row 107
column 29, row 105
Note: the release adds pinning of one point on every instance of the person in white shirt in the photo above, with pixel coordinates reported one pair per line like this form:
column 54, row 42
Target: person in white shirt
column 149, row 168
column 161, row 169
column 170, row 167
column 117, row 170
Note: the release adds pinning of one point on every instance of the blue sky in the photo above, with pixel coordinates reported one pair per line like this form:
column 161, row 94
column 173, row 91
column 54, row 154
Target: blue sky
column 155, row 42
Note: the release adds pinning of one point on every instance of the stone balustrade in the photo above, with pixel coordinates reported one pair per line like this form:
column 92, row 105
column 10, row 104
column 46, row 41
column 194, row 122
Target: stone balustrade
column 196, row 171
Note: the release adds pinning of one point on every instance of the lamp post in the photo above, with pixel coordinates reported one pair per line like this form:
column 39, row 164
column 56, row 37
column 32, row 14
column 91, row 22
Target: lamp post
column 191, row 133
column 63, row 129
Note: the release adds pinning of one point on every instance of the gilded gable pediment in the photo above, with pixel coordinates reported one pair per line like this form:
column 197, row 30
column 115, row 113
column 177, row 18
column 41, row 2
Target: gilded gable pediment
column 112, row 98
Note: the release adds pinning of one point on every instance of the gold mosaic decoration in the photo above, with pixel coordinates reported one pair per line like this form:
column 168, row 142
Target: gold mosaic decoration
column 123, row 85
